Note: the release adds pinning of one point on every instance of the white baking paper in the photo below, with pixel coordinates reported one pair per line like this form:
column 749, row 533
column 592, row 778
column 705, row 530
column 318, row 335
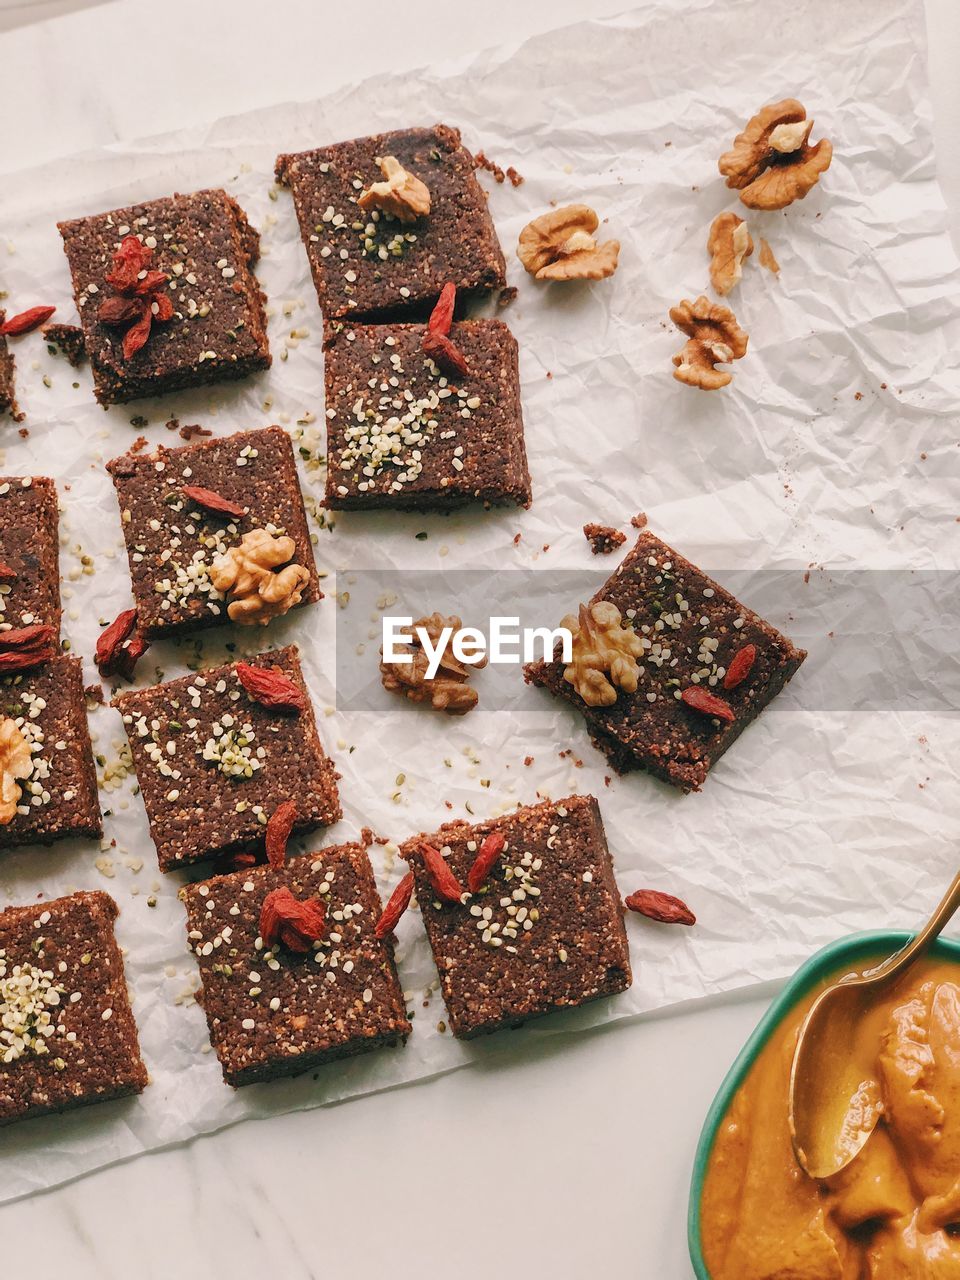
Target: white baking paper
column 835, row 446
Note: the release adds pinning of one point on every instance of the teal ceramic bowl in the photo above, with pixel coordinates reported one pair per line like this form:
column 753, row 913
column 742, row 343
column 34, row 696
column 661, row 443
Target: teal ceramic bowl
column 845, row 952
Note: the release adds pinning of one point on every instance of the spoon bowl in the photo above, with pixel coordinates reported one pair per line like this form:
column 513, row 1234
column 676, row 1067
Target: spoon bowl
column 832, row 1109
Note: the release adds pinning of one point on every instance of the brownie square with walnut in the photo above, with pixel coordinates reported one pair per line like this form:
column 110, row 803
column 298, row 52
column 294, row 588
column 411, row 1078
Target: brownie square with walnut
column 273, row 1011
column 29, row 553
column 44, row 711
column 366, row 262
column 67, row 1033
column 545, row 930
column 402, row 434
column 214, row 762
column 172, row 539
column 688, row 631
column 206, row 247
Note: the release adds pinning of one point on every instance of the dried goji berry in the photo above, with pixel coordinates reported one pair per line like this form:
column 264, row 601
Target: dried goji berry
column 24, row 659
column 128, row 261
column 7, row 572
column 441, row 317
column 150, row 283
column 162, row 308
column 120, row 310
column 660, row 906
column 445, row 883
column 294, row 924
column 111, row 641
column 213, row 502
column 708, row 703
column 136, row 336
column 740, row 666
column 271, row 687
column 399, row 901
column 446, row 356
column 38, row 634
column 26, row 321
column 278, row 832
column 490, row 851
column 130, row 655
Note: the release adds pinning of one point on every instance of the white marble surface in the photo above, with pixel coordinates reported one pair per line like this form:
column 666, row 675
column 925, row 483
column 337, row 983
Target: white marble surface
column 581, row 1155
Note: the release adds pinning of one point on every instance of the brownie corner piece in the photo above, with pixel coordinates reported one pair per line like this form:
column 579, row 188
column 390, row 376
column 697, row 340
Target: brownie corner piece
column 692, row 634
column 402, row 434
column 214, row 762
column 275, row 1011
column 172, row 540
column 212, row 327
column 67, row 1033
column 365, row 262
column 30, row 553
column 544, row 932
column 8, row 387
column 47, row 710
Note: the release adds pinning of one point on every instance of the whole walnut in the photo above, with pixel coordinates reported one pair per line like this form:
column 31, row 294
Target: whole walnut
column 604, row 654
column 16, row 764
column 250, row 576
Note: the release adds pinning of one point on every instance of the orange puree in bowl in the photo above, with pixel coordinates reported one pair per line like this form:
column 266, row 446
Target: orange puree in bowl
column 894, row 1213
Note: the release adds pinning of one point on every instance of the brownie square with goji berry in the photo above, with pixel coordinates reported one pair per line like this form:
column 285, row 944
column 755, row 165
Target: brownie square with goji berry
column 166, row 295
column 367, row 261
column 46, row 756
column 215, row 760
column 402, row 433
column 703, row 668
column 175, row 530
column 286, row 1002
column 67, row 1033
column 544, row 928
column 29, row 554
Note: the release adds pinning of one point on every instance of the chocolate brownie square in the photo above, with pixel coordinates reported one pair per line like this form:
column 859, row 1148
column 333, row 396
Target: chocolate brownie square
column 273, row 1011
column 366, row 262
column 544, row 931
column 46, row 709
column 29, row 553
column 67, row 1033
column 172, row 539
column 402, row 434
column 8, row 389
column 205, row 246
column 690, row 632
column 214, row 762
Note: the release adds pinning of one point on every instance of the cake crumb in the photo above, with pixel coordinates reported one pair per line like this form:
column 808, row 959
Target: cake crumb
column 603, row 539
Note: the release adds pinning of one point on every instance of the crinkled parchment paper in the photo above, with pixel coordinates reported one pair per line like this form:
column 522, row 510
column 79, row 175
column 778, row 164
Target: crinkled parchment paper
column 836, row 445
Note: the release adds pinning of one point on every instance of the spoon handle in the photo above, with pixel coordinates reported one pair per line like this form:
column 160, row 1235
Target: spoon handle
column 901, row 959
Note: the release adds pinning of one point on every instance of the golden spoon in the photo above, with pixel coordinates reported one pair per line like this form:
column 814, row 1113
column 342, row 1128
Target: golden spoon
column 832, row 1109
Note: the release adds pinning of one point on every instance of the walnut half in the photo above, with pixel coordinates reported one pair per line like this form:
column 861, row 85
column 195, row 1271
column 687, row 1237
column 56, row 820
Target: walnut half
column 251, row 578
column 728, row 244
column 560, row 245
column 16, row 764
column 448, row 690
column 772, row 162
column 401, row 194
column 602, row 647
column 715, row 338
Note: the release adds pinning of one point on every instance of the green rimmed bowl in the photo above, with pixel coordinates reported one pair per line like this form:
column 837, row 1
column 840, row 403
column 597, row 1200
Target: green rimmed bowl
column 835, row 958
